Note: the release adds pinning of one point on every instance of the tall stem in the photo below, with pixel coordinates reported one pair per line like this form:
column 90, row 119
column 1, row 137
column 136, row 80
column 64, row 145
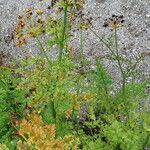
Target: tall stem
column 81, row 46
column 146, row 141
column 103, row 41
column 102, row 76
column 54, row 114
column 62, row 43
column 43, row 50
column 116, row 55
column 119, row 63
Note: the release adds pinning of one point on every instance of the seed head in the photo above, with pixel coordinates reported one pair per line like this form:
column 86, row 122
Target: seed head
column 114, row 22
column 39, row 11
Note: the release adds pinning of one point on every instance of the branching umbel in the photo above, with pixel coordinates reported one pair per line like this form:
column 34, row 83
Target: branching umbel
column 70, row 17
column 114, row 24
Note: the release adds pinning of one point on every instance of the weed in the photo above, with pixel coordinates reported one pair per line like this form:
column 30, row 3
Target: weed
column 58, row 104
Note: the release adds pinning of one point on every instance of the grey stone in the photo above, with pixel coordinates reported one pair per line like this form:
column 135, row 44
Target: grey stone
column 134, row 37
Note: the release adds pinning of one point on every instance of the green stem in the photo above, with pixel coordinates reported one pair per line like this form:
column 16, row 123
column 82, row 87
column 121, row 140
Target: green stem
column 43, row 50
column 103, row 41
column 119, row 63
column 52, row 105
column 103, row 77
column 116, row 55
column 7, row 68
column 32, row 145
column 21, row 134
column 146, row 141
column 81, row 46
column 116, row 43
column 62, row 43
column 133, row 67
column 79, row 86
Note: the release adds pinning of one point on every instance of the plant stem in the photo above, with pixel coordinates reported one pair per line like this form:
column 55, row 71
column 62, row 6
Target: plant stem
column 81, row 46
column 102, row 76
column 52, row 105
column 32, row 145
column 119, row 63
column 116, row 55
column 43, row 50
column 7, row 68
column 103, row 41
column 53, row 110
column 62, row 43
column 79, row 86
column 146, row 141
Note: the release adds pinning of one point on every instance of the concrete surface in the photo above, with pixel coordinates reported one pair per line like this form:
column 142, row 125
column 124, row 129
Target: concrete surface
column 134, row 36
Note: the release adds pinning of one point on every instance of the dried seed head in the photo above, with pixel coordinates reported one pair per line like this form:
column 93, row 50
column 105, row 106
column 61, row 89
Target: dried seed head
column 114, row 22
column 40, row 21
column 20, row 17
column 21, row 42
column 27, row 10
column 43, row 31
column 39, row 11
column 31, row 34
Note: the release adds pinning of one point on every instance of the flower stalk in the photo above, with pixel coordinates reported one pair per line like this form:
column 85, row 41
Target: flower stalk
column 62, row 43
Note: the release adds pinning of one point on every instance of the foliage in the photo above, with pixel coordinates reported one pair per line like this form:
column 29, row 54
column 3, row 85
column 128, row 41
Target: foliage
column 70, row 17
column 58, row 104
column 11, row 106
column 45, row 138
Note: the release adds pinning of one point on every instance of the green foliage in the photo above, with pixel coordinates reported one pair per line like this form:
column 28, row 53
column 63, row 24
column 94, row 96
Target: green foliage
column 81, row 109
column 12, row 102
column 100, row 80
column 113, row 121
column 122, row 136
column 47, row 90
column 121, row 119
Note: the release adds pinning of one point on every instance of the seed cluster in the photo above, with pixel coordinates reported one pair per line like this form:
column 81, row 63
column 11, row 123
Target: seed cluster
column 53, row 2
column 29, row 25
column 34, row 22
column 114, row 22
column 76, row 18
column 71, row 3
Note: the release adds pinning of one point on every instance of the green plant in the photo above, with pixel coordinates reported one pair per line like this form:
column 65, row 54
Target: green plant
column 47, row 90
column 11, row 106
column 126, row 66
column 115, row 119
column 69, row 106
column 59, row 29
column 116, row 109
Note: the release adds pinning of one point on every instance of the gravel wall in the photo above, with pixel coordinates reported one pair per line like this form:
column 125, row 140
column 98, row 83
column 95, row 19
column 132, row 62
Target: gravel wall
column 134, row 36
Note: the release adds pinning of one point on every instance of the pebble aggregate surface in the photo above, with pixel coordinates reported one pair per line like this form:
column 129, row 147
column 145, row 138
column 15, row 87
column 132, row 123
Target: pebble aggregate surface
column 134, row 37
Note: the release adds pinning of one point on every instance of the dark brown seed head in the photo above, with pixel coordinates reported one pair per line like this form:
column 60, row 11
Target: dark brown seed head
column 122, row 21
column 49, row 7
column 105, row 24
column 121, row 16
column 20, row 17
column 113, row 15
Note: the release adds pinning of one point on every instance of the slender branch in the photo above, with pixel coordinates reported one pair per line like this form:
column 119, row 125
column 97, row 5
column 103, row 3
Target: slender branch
column 103, row 41
column 43, row 50
column 7, row 68
column 23, row 137
column 147, row 140
column 116, row 55
column 81, row 46
column 119, row 63
column 133, row 67
column 62, row 43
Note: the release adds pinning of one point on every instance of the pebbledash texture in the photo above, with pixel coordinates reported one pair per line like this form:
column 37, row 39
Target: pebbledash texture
column 134, row 36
